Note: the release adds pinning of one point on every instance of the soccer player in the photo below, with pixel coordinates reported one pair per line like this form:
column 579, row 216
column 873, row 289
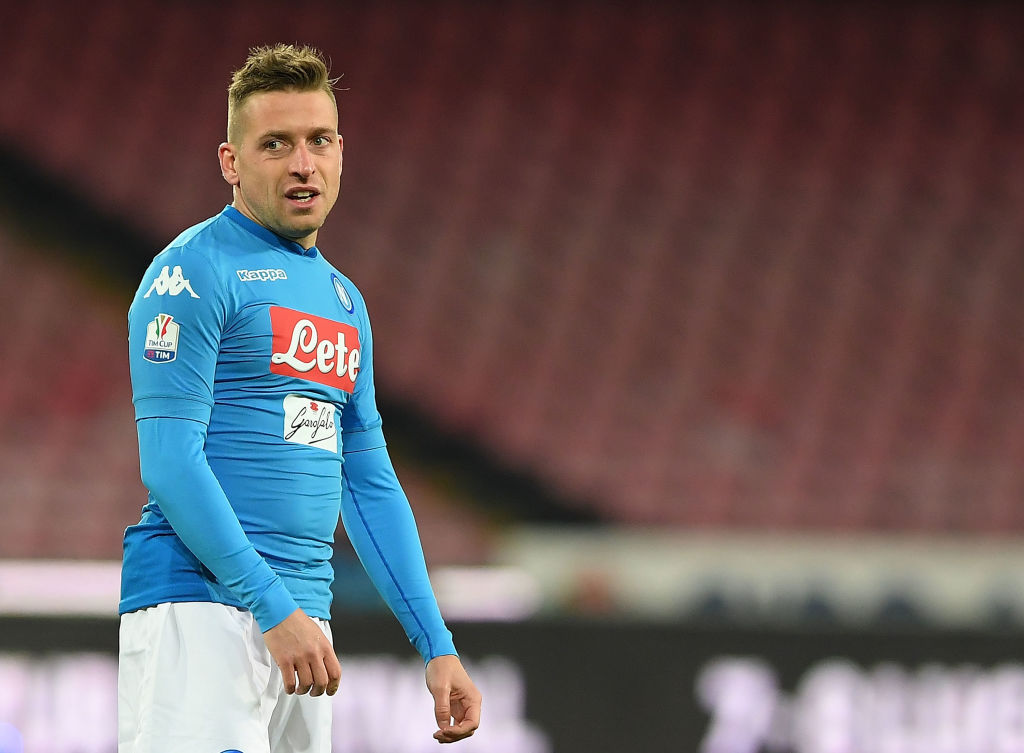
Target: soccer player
column 252, row 376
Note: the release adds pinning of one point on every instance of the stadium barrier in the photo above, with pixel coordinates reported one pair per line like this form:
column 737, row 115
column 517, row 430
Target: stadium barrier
column 586, row 685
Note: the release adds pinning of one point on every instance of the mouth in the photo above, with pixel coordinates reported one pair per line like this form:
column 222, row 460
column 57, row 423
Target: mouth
column 302, row 196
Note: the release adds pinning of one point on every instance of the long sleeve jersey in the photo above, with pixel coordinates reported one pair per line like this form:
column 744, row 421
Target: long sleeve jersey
column 252, row 377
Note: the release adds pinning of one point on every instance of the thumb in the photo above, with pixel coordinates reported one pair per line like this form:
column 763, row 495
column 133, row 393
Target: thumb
column 442, row 708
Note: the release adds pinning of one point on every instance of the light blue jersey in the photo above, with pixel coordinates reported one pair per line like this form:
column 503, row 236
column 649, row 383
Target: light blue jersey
column 252, row 376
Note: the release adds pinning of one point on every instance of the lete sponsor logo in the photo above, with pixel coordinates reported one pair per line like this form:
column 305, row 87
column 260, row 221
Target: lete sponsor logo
column 162, row 339
column 310, row 422
column 313, row 348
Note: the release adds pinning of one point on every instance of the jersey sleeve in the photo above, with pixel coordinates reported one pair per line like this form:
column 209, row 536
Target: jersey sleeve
column 175, row 470
column 360, row 419
column 174, row 330
column 174, row 334
column 379, row 521
column 382, row 529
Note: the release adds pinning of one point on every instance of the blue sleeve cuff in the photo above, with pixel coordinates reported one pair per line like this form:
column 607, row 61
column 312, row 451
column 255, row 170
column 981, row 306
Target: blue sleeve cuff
column 444, row 646
column 273, row 606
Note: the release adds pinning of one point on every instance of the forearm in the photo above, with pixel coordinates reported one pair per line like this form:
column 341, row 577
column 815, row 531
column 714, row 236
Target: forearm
column 175, row 470
column 382, row 529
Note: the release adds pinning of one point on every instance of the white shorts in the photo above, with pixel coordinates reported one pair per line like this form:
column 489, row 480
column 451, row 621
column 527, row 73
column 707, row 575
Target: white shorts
column 197, row 677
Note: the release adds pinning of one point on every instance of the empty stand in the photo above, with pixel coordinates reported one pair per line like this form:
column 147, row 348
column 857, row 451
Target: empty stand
column 715, row 265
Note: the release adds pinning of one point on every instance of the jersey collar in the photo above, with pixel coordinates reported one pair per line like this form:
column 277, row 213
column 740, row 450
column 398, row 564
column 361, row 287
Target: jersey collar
column 267, row 235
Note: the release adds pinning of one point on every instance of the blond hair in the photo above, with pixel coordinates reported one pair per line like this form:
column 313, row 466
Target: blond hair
column 278, row 67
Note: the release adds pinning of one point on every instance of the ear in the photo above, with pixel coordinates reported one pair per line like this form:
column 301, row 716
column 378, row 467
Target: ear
column 226, row 155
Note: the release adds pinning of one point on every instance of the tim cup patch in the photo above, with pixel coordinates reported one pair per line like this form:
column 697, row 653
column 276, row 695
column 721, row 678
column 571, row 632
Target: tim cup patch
column 162, row 339
column 310, row 422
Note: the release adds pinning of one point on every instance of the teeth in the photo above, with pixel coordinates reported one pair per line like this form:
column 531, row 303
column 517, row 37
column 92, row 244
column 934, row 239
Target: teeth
column 303, row 196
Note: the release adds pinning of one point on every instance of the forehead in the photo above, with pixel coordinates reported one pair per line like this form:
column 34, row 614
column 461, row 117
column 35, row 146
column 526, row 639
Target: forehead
column 287, row 111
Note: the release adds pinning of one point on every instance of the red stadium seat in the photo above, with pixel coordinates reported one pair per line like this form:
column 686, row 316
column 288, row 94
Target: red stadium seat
column 700, row 266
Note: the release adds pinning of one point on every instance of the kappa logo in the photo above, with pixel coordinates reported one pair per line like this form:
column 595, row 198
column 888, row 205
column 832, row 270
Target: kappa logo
column 170, row 283
column 162, row 339
column 313, row 348
column 261, row 275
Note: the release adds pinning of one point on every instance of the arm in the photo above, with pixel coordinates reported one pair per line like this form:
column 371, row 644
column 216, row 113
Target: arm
column 382, row 529
column 193, row 502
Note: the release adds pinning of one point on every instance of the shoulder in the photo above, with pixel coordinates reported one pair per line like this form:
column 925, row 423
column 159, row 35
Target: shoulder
column 210, row 241
column 206, row 250
column 195, row 265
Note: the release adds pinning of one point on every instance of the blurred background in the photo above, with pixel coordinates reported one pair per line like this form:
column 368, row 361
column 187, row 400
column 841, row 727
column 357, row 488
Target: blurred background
column 699, row 351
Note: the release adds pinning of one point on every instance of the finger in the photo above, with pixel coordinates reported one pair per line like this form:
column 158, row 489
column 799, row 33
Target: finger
column 471, row 718
column 305, row 674
column 467, row 721
column 454, row 733
column 458, row 710
column 442, row 709
column 333, row 672
column 287, row 677
column 320, row 678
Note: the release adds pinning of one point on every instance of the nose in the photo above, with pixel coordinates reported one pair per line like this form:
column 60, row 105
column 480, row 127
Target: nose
column 302, row 162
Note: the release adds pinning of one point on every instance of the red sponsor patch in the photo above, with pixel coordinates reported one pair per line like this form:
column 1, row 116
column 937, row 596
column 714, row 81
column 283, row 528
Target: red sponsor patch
column 315, row 349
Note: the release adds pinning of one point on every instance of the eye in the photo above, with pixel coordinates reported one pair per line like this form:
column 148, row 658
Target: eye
column 273, row 145
column 321, row 140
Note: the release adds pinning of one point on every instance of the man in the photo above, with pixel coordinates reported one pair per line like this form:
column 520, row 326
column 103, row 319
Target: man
column 252, row 375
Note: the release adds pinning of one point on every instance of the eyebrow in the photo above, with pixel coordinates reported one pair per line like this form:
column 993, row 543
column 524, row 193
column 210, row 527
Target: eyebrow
column 318, row 131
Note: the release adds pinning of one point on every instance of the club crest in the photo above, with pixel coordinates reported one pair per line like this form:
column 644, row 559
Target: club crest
column 343, row 296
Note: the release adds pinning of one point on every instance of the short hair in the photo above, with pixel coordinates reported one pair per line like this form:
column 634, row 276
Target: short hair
column 279, row 67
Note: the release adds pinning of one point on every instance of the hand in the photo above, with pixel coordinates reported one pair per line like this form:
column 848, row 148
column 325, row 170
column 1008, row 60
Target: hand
column 300, row 648
column 455, row 697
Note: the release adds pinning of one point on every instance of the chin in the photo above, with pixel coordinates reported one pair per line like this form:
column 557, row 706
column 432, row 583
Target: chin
column 301, row 224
